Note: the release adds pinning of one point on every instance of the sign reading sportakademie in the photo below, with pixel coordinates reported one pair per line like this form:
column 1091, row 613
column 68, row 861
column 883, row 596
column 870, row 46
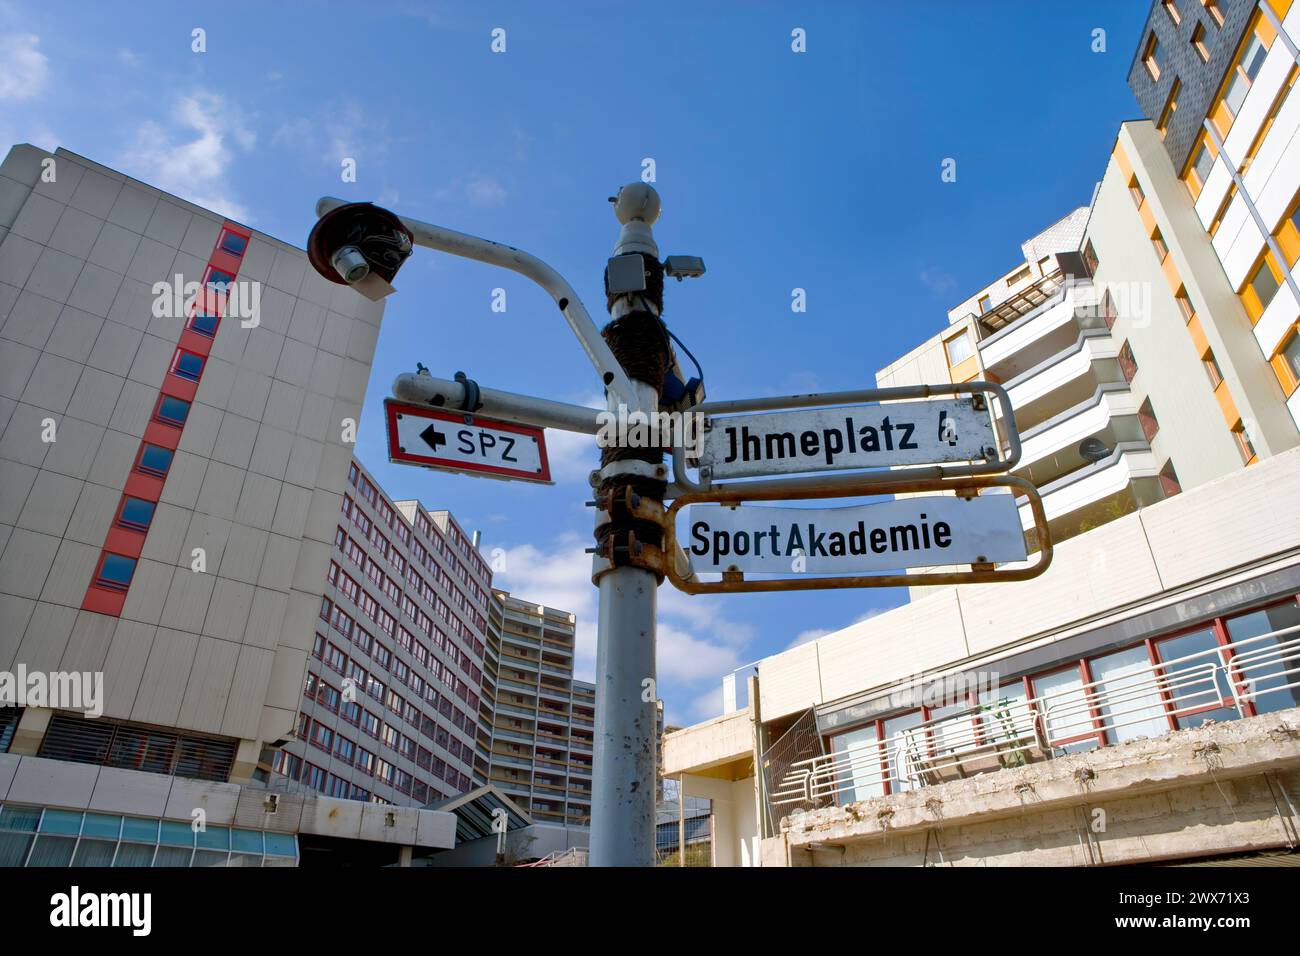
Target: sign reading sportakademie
column 905, row 533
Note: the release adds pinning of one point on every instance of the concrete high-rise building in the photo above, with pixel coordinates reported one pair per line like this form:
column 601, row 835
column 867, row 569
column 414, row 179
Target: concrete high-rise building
column 391, row 698
column 1217, row 80
column 1148, row 345
column 175, row 392
column 536, row 733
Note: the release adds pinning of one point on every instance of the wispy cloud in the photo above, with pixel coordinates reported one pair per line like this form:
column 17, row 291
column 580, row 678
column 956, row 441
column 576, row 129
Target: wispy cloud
column 808, row 636
column 128, row 58
column 339, row 130
column 191, row 154
column 937, row 280
column 24, row 70
column 478, row 189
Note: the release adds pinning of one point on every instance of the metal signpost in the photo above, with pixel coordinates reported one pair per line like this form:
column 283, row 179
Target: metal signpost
column 465, row 443
column 938, row 442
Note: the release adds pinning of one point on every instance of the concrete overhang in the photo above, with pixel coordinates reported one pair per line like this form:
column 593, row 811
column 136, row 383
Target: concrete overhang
column 721, row 747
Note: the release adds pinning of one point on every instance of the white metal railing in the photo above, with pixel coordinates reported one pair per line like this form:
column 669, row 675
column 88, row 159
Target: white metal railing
column 1012, row 732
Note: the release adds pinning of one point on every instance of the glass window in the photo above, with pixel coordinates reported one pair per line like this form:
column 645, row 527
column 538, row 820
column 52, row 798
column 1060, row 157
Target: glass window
column 219, row 281
column 1265, row 284
column 116, row 571
column 985, row 303
column 188, row 365
column 1005, row 716
column 1262, row 664
column 959, row 349
column 902, row 750
column 1244, row 73
column 1194, row 683
column 1064, row 705
column 174, row 411
column 204, row 322
column 1132, row 705
column 155, row 459
column 1291, row 352
column 136, row 513
column 233, row 243
column 1203, row 163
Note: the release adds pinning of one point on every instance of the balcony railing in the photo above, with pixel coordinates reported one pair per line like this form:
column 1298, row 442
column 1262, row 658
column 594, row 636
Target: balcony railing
column 1014, row 732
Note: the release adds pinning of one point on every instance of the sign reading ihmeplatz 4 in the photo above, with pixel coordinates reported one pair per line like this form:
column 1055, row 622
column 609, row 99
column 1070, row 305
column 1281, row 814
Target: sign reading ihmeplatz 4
column 857, row 436
column 904, row 533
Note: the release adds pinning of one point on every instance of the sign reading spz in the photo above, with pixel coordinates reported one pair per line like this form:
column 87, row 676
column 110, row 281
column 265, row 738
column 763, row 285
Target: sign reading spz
column 905, row 533
column 462, row 442
column 861, row 436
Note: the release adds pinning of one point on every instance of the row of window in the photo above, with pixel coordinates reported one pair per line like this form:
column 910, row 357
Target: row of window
column 370, row 492
column 383, row 658
column 1078, row 689
column 117, row 562
column 340, row 747
column 353, row 591
column 321, row 692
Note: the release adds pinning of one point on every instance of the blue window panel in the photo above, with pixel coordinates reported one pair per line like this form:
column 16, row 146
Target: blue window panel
column 140, row 831
column 176, row 834
column 246, row 841
column 102, row 825
column 281, row 844
column 61, row 821
column 155, row 459
column 189, row 366
column 117, row 571
column 214, row 838
column 219, row 281
column 173, row 410
column 233, row 243
column 137, row 513
column 204, row 323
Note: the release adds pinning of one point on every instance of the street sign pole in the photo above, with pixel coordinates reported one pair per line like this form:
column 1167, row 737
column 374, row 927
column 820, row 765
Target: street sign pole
column 623, row 775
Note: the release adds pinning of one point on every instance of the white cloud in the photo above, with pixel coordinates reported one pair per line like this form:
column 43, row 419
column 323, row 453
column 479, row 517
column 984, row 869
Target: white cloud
column 696, row 644
column 340, row 130
column 808, row 636
column 485, row 191
column 937, row 280
column 191, row 157
column 24, row 69
column 128, row 58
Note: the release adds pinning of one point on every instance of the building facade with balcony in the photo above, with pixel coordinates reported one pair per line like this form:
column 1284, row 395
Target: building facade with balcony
column 1217, row 80
column 536, row 727
column 1140, row 701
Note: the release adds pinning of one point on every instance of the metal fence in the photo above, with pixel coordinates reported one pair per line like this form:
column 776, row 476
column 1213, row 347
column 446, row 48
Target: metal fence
column 1146, row 702
column 797, row 748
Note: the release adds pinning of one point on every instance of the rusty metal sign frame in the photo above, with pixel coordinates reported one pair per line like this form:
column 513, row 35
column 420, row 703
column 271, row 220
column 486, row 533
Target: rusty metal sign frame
column 848, row 486
column 1004, row 427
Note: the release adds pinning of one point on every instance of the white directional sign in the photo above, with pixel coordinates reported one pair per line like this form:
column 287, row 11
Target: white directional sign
column 857, row 436
column 904, row 533
column 457, row 441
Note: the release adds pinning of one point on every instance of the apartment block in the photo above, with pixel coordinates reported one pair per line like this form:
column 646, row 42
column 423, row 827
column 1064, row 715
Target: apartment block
column 390, row 702
column 1217, row 80
column 175, row 391
column 535, row 736
column 1139, row 701
column 1040, row 331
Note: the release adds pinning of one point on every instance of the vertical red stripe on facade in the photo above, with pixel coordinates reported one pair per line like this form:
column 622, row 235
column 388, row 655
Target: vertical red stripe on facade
column 123, row 541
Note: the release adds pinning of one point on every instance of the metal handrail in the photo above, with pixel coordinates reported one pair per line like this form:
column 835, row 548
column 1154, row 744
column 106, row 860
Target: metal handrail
column 968, row 741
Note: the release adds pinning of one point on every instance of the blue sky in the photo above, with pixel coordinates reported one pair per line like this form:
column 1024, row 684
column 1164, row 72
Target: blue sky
column 818, row 170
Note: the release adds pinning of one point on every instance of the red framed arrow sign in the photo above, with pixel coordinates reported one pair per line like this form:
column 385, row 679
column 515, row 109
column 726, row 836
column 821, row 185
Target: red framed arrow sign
column 459, row 441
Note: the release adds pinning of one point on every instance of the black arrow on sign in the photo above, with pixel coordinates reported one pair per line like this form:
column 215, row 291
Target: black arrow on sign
column 433, row 438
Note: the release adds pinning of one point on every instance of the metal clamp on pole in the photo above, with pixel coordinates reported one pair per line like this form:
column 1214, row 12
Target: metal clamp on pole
column 621, row 546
